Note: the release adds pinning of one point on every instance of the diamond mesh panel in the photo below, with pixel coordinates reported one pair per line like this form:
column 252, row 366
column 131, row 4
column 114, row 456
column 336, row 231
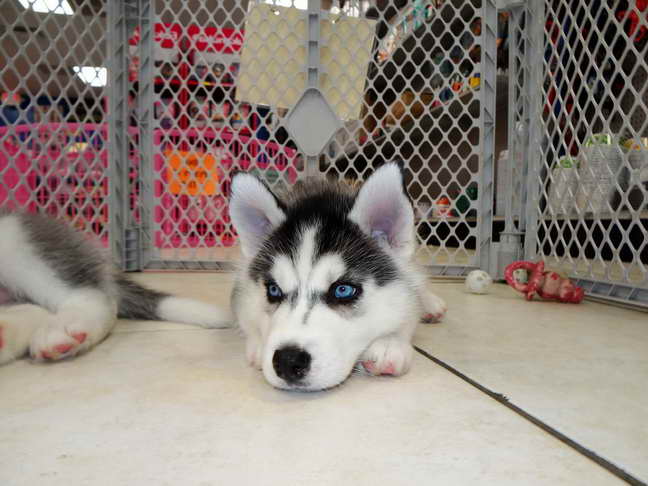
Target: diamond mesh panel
column 53, row 135
column 592, row 214
column 203, row 131
column 403, row 77
column 421, row 104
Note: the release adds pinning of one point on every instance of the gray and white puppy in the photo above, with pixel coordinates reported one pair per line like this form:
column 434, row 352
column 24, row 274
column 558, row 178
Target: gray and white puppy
column 60, row 295
column 328, row 279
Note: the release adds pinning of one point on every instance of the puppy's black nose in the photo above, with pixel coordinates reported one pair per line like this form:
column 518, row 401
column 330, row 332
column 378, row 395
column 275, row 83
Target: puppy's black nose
column 291, row 363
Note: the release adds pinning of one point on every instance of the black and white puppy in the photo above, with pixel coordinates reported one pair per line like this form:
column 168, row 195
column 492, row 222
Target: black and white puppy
column 328, row 279
column 60, row 295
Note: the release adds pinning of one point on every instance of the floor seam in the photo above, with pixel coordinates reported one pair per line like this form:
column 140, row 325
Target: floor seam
column 503, row 400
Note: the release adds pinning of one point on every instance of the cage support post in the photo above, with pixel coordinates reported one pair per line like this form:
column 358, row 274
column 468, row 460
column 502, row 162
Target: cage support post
column 124, row 240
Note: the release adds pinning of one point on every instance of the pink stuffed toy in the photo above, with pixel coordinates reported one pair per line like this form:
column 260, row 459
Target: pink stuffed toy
column 547, row 284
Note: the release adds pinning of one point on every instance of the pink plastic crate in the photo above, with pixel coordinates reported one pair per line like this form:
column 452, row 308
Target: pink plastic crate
column 202, row 220
column 58, row 169
column 39, row 172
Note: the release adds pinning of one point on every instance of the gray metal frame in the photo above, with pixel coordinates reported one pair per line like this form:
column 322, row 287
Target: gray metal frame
column 146, row 125
column 124, row 243
column 488, row 98
column 535, row 42
column 509, row 248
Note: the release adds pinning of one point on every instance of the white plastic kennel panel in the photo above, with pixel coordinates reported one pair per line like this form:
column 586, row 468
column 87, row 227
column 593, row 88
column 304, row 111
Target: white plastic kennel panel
column 412, row 81
column 53, row 132
column 588, row 154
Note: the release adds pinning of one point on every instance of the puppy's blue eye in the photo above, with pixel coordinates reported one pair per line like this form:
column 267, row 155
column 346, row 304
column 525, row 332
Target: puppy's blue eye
column 344, row 291
column 274, row 291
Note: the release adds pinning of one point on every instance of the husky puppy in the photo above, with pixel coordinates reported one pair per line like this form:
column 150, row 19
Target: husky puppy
column 328, row 279
column 74, row 294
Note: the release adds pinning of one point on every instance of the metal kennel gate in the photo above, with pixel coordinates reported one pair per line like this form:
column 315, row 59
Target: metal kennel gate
column 220, row 87
column 129, row 117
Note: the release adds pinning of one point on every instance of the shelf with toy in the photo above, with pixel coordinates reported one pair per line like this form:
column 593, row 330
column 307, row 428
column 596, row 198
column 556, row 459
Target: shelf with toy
column 411, row 106
column 453, row 100
column 441, row 54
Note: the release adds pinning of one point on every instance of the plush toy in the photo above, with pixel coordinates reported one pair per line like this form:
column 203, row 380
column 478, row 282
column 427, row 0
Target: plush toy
column 546, row 283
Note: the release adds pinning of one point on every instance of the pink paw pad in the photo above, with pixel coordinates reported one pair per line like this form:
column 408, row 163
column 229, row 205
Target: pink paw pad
column 370, row 366
column 432, row 318
column 57, row 351
column 1, row 339
column 63, row 348
column 80, row 337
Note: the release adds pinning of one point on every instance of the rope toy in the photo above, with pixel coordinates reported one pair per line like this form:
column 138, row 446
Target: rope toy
column 546, row 284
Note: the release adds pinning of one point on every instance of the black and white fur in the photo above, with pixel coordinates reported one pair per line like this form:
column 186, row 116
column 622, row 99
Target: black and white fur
column 304, row 245
column 60, row 295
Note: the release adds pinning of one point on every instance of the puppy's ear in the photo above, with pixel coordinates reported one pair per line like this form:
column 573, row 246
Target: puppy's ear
column 383, row 211
column 255, row 211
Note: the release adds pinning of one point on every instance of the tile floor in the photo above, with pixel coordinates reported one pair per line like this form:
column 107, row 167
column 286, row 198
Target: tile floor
column 165, row 404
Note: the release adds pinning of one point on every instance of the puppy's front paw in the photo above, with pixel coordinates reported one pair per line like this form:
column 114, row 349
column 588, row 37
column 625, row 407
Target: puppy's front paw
column 53, row 343
column 388, row 356
column 434, row 308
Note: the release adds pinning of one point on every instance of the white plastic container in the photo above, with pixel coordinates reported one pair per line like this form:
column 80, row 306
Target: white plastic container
column 601, row 159
column 563, row 186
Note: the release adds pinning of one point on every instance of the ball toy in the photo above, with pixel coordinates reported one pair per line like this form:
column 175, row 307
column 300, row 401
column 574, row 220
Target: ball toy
column 478, row 282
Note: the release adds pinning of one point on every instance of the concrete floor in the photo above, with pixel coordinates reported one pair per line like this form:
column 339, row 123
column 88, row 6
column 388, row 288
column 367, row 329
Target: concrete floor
column 166, row 404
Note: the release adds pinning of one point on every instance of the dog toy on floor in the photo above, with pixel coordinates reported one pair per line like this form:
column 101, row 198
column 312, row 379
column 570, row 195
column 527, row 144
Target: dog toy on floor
column 545, row 283
column 478, row 282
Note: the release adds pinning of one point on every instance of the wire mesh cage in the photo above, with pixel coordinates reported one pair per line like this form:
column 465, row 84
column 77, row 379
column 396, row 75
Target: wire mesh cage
column 227, row 85
column 589, row 167
column 129, row 118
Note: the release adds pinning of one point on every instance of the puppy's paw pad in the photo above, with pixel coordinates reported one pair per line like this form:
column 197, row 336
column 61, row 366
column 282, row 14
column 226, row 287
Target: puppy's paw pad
column 434, row 308
column 388, row 356
column 387, row 368
column 2, row 324
column 57, row 352
column 430, row 318
column 79, row 337
column 52, row 344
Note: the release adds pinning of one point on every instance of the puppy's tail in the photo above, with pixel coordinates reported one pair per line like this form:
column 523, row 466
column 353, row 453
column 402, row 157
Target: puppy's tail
column 138, row 302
